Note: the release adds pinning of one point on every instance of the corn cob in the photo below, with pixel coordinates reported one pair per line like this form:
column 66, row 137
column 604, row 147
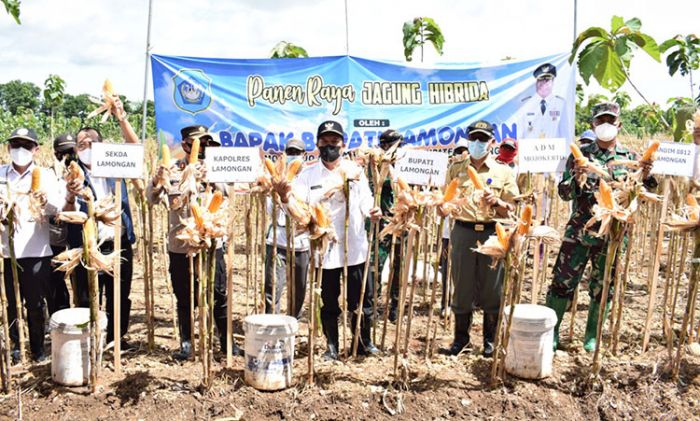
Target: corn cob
column 197, row 215
column 648, row 154
column 502, row 235
column 165, row 156
column 694, row 212
column 451, row 190
column 321, row 216
column 36, row 179
column 107, row 88
column 293, row 169
column 194, row 151
column 475, row 179
column 606, row 198
column 216, row 200
column 270, row 167
column 525, row 220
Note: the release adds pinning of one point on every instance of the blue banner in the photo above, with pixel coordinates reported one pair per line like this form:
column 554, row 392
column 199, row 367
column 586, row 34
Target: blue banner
column 266, row 102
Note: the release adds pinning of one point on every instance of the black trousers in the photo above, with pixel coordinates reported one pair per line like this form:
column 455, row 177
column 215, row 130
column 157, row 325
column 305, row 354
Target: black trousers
column 33, row 274
column 106, row 282
column 57, row 295
column 180, row 279
column 443, row 270
column 330, row 291
column 301, row 269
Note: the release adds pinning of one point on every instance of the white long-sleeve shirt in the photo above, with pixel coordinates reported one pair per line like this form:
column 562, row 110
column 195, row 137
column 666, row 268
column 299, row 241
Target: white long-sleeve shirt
column 31, row 236
column 313, row 183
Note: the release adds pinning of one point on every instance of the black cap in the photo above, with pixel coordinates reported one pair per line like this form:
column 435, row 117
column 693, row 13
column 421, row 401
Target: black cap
column 201, row 132
column 295, row 144
column 481, row 126
column 546, row 69
column 329, row 126
column 24, row 133
column 64, row 143
column 390, row 136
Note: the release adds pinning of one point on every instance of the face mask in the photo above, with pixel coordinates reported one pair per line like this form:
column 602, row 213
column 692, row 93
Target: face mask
column 85, row 156
column 329, row 153
column 506, row 155
column 606, row 132
column 21, row 156
column 292, row 158
column 477, row 149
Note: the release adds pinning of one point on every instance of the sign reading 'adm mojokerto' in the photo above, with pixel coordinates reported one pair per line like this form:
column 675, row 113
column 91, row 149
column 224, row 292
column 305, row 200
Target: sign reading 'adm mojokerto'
column 674, row 158
column 421, row 167
column 232, row 165
column 542, row 155
column 117, row 160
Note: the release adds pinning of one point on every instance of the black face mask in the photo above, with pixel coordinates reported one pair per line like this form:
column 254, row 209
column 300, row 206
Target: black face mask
column 329, row 153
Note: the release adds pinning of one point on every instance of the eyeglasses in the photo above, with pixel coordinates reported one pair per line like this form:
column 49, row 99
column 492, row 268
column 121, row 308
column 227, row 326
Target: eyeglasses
column 294, row 152
column 480, row 138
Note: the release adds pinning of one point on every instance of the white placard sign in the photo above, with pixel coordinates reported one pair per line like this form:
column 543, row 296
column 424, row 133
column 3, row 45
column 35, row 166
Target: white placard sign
column 423, row 168
column 542, row 155
column 232, row 164
column 673, row 158
column 117, row 160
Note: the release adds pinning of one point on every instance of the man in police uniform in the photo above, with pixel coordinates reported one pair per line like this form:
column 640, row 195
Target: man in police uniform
column 476, row 284
column 578, row 245
column 310, row 186
column 179, row 267
column 543, row 114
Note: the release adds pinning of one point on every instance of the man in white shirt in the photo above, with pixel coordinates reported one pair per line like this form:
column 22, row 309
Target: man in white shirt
column 543, row 115
column 294, row 150
column 31, row 238
column 311, row 186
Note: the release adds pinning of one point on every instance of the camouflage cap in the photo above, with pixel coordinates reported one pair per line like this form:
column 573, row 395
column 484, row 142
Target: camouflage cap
column 609, row 108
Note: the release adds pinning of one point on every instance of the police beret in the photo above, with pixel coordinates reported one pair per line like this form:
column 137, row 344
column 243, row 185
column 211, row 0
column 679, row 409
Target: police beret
column 546, row 69
column 329, row 126
column 481, row 126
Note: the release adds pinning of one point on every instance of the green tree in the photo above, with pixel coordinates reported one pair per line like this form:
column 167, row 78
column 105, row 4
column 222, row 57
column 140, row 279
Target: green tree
column 607, row 54
column 54, row 89
column 683, row 56
column 419, row 31
column 285, row 49
column 16, row 95
column 12, row 9
column 76, row 106
column 622, row 99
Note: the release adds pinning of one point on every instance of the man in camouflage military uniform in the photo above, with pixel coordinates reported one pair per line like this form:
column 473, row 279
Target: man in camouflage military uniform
column 386, row 140
column 476, row 283
column 578, row 245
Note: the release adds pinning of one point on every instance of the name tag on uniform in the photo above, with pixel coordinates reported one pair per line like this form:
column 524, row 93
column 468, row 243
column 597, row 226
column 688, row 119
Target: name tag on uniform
column 316, row 187
column 478, row 227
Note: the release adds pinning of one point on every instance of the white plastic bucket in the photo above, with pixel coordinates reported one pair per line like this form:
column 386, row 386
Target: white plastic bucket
column 269, row 350
column 529, row 354
column 70, row 345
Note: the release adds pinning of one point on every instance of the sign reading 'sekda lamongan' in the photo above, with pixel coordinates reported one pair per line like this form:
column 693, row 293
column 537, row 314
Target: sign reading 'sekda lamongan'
column 117, row 160
column 421, row 167
column 232, row 165
column 673, row 158
column 542, row 155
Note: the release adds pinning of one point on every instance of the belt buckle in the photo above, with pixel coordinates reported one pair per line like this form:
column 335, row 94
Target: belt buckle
column 478, row 227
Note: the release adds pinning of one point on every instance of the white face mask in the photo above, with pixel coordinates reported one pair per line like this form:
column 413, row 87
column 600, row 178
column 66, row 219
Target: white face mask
column 21, row 156
column 606, row 132
column 85, row 156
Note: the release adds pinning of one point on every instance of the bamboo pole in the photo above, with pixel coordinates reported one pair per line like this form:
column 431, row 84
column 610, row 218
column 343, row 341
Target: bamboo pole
column 263, row 248
column 679, row 275
column 376, row 278
column 498, row 348
column 668, row 278
column 231, row 250
column 653, row 275
column 116, row 278
column 436, row 267
column 289, row 269
column 414, row 277
column 613, row 244
column 146, row 262
column 202, row 315
column 359, row 310
column 6, row 343
column 164, row 269
column 449, row 288
column 387, row 293
column 211, row 275
column 15, row 282
column 344, row 285
column 408, row 253
column 151, row 288
column 249, row 251
column 193, row 356
column 273, row 275
column 690, row 306
column 621, row 296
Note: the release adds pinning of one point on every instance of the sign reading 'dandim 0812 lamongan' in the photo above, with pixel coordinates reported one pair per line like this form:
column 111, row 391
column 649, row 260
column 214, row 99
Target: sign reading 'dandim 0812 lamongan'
column 542, row 155
column 420, row 167
column 673, row 158
column 117, row 160
column 232, row 165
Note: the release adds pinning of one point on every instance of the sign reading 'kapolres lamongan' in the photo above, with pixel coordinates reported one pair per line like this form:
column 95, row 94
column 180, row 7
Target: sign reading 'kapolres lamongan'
column 117, row 160
column 232, row 165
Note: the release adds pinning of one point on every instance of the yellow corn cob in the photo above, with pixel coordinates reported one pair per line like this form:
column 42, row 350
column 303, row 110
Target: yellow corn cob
column 107, row 88
column 403, row 184
column 197, row 215
column 576, row 152
column 648, row 154
column 606, row 198
column 502, row 235
column 194, row 151
column 525, row 220
column 293, row 169
column 696, row 117
column 474, row 177
column 692, row 202
column 36, row 179
column 270, row 167
column 321, row 216
column 451, row 190
column 165, row 156
column 216, row 200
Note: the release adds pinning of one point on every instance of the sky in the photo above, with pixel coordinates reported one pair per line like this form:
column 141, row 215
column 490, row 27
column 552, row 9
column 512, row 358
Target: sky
column 86, row 41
